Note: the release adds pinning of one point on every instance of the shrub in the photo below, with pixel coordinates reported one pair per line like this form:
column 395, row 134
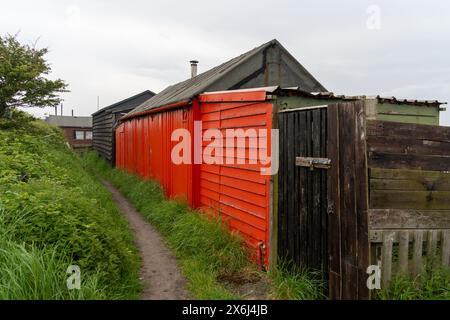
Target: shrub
column 53, row 210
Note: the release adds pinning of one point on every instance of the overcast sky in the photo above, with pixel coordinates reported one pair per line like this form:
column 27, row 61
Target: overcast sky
column 115, row 49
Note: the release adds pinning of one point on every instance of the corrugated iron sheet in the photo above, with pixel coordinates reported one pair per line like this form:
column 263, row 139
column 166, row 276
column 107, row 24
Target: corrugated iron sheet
column 187, row 89
column 238, row 192
column 144, row 148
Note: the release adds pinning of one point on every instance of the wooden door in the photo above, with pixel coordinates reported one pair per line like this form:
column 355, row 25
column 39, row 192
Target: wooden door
column 302, row 192
column 322, row 212
column 347, row 201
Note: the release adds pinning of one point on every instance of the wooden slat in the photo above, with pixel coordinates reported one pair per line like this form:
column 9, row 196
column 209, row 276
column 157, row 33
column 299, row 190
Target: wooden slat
column 403, row 251
column 386, row 258
column 361, row 199
column 414, row 180
column 432, row 243
column 334, row 206
column 445, row 246
column 379, row 173
column 420, row 200
column 347, row 141
column 392, row 129
column 408, row 161
column 407, row 145
column 417, row 252
column 408, row 219
column 409, row 185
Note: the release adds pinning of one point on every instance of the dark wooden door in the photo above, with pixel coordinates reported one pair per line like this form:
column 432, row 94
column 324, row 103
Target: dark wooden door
column 322, row 213
column 348, row 201
column 302, row 192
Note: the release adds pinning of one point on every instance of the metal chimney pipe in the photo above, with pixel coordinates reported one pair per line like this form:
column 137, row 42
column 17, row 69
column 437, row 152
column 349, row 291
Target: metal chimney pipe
column 72, row 112
column 194, row 64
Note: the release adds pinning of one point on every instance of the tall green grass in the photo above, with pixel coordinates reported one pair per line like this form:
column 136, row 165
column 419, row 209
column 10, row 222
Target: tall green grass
column 54, row 214
column 206, row 251
column 433, row 283
column 290, row 282
column 29, row 272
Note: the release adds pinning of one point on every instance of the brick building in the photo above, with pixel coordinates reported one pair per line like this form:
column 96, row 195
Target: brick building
column 78, row 130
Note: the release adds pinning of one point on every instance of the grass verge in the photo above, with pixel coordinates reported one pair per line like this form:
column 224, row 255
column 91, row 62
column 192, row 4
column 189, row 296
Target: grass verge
column 206, row 251
column 54, row 214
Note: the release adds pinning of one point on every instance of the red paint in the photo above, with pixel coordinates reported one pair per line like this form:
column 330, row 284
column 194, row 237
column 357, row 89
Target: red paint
column 148, row 146
column 238, row 193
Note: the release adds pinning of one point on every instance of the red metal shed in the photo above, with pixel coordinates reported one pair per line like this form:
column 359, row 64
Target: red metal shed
column 239, row 193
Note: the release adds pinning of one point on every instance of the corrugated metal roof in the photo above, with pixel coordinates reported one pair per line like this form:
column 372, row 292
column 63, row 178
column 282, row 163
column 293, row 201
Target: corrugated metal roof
column 189, row 88
column 128, row 103
column 393, row 100
column 331, row 95
column 68, row 121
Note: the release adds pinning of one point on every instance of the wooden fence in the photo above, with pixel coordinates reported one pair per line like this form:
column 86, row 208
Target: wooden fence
column 409, row 196
column 406, row 251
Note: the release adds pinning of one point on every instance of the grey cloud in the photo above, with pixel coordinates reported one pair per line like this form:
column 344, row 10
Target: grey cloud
column 116, row 48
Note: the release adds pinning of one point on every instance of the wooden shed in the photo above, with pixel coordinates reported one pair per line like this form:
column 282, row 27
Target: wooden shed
column 143, row 137
column 348, row 169
column 359, row 187
column 105, row 120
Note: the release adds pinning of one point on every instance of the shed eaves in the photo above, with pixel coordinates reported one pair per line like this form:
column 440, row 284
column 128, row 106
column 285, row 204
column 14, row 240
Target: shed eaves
column 189, row 88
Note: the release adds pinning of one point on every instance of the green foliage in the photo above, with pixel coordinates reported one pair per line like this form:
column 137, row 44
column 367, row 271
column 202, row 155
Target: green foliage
column 292, row 283
column 204, row 248
column 22, row 77
column 53, row 211
column 433, row 283
column 29, row 272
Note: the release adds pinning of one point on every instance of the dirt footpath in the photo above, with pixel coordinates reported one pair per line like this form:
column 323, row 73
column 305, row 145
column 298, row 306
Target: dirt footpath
column 160, row 274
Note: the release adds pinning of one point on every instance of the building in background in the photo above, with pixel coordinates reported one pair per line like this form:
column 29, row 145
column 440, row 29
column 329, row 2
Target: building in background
column 78, row 130
column 105, row 119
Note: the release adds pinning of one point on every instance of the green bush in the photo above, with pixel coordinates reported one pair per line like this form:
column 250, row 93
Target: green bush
column 48, row 200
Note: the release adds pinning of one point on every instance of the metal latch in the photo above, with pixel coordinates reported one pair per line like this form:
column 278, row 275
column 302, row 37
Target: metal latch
column 312, row 163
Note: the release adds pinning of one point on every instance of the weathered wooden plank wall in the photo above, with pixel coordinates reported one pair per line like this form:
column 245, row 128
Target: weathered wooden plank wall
column 409, row 166
column 409, row 195
column 347, row 201
column 322, row 214
column 302, row 214
column 103, row 134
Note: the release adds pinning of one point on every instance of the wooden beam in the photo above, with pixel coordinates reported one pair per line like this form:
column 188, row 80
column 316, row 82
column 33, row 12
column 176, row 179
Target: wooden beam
column 420, row 200
column 408, row 219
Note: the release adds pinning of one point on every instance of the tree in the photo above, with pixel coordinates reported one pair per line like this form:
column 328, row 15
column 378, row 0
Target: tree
column 22, row 77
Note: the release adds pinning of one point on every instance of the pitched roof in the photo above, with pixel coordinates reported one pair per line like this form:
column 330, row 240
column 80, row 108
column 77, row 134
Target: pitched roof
column 68, row 121
column 128, row 103
column 187, row 89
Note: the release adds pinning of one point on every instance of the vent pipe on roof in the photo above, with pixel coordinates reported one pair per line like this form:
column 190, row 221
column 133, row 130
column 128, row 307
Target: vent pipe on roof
column 194, row 64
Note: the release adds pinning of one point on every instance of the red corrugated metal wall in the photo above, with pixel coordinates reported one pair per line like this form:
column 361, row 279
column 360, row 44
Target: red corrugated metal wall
column 144, row 146
column 238, row 192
